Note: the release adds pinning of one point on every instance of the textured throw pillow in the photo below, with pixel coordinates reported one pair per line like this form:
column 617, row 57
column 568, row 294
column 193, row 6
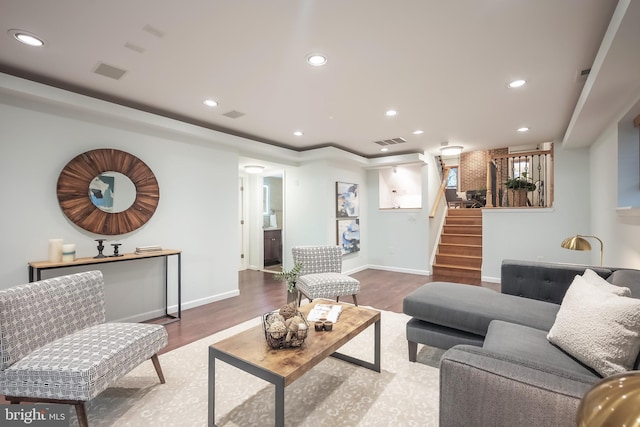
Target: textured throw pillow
column 596, row 280
column 599, row 328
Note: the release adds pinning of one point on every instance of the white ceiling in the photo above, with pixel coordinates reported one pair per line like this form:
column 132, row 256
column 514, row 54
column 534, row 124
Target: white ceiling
column 443, row 65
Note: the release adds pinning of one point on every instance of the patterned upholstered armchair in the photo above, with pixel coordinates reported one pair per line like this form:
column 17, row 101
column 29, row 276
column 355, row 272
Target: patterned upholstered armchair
column 57, row 348
column 321, row 275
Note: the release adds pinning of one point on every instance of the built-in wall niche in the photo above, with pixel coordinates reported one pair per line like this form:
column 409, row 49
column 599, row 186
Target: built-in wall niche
column 400, row 187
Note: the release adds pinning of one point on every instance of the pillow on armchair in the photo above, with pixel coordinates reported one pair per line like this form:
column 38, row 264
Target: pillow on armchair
column 597, row 327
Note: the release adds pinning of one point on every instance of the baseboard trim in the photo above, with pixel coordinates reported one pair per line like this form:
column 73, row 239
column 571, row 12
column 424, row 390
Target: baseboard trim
column 398, row 269
column 173, row 309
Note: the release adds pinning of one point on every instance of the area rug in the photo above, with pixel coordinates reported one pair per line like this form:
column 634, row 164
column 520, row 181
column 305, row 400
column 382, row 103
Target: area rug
column 334, row 393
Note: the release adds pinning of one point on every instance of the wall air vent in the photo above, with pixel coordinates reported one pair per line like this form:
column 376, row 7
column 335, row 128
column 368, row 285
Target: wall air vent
column 392, row 141
column 233, row 114
column 582, row 75
column 109, row 71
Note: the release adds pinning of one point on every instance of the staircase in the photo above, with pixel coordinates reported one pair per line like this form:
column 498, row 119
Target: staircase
column 459, row 255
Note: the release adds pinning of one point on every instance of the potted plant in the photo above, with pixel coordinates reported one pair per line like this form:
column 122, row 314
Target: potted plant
column 519, row 187
column 291, row 277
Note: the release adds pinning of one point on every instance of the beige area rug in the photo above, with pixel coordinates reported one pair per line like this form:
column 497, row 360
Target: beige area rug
column 334, row 393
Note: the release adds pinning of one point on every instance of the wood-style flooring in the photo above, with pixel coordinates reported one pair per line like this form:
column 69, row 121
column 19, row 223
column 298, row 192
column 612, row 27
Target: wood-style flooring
column 260, row 293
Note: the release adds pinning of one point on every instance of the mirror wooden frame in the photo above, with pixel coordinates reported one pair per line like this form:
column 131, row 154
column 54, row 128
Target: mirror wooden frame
column 73, row 191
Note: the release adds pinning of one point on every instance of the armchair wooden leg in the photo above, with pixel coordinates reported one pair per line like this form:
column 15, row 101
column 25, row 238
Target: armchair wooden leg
column 338, row 298
column 355, row 300
column 156, row 364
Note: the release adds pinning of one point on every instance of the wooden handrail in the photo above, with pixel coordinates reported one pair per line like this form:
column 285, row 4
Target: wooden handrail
column 434, row 210
column 523, row 154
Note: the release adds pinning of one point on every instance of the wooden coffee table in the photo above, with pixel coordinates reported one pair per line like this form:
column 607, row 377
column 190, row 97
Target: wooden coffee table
column 250, row 352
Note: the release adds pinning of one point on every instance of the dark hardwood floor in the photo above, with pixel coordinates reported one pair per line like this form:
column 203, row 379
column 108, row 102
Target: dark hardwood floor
column 260, row 293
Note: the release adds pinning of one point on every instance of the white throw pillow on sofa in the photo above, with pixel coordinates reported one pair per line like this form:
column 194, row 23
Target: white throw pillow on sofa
column 597, row 327
column 595, row 279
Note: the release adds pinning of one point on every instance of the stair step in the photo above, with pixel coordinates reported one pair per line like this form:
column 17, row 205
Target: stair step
column 463, row 220
column 463, row 261
column 459, row 256
column 448, row 273
column 467, row 239
column 463, row 229
column 459, row 249
column 464, row 212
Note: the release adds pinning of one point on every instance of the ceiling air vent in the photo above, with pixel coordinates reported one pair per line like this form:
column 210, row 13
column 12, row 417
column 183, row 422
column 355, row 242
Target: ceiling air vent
column 109, row 71
column 233, row 114
column 153, row 30
column 393, row 141
column 134, row 47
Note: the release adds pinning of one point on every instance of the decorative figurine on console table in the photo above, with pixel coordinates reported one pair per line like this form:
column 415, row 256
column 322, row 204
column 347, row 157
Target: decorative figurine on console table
column 100, row 248
column 115, row 249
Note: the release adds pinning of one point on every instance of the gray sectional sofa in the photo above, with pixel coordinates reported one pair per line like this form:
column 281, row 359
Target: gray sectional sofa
column 499, row 368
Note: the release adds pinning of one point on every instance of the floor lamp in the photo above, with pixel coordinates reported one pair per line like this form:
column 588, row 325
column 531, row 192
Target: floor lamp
column 614, row 401
column 579, row 243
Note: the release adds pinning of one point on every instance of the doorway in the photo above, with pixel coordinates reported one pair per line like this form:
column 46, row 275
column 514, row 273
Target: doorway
column 272, row 221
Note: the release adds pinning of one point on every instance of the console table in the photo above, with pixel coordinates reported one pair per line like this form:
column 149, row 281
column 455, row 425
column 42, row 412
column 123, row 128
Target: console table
column 36, row 268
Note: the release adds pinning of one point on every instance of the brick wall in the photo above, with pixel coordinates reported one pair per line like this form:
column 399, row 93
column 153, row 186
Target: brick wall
column 472, row 171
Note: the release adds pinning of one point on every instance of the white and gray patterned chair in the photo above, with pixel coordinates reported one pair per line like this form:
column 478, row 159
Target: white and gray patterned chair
column 55, row 346
column 321, row 275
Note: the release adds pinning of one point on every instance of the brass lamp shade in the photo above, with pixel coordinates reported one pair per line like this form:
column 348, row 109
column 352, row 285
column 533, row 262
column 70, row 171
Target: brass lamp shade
column 576, row 243
column 579, row 243
column 614, row 401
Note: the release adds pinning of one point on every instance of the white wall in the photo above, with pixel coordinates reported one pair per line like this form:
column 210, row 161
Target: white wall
column 197, row 171
column 398, row 239
column 310, row 208
column 198, row 202
column 620, row 233
column 536, row 234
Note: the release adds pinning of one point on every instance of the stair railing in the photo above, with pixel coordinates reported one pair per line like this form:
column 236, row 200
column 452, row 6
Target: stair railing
column 523, row 180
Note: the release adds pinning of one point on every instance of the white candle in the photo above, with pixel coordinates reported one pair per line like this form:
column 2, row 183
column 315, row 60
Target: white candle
column 55, row 250
column 69, row 252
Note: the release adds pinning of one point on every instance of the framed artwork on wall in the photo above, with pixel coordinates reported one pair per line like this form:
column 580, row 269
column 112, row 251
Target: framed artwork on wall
column 348, row 235
column 347, row 201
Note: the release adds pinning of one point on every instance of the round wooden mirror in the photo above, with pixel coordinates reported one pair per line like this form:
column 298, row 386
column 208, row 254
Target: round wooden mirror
column 74, row 188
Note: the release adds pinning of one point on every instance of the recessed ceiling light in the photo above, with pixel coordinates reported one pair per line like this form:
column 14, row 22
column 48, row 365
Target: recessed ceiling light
column 391, row 113
column 418, row 132
column 210, row 103
column 27, row 38
column 517, row 83
column 523, row 129
column 316, row 59
column 384, row 149
column 298, row 133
